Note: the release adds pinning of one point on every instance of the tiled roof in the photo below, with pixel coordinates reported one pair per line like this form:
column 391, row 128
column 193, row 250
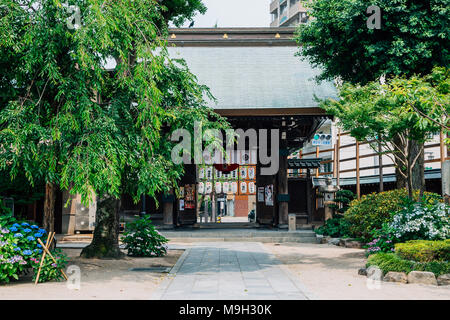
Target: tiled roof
column 255, row 77
column 311, row 163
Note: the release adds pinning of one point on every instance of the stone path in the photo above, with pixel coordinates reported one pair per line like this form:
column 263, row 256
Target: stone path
column 230, row 271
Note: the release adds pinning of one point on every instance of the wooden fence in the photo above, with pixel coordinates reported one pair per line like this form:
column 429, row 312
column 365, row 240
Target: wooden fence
column 337, row 161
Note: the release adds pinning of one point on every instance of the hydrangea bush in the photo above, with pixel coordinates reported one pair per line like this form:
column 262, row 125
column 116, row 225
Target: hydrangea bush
column 383, row 240
column 141, row 239
column 422, row 221
column 20, row 251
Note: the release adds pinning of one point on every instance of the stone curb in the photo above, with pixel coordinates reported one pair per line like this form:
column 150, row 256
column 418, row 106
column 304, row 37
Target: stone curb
column 159, row 292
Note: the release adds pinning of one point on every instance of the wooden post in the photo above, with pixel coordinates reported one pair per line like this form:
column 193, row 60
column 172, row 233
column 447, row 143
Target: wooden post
column 442, row 161
column 300, row 156
column 358, row 187
column 317, row 155
column 334, row 161
column 338, row 158
column 308, row 194
column 380, row 167
column 283, row 206
column 168, row 209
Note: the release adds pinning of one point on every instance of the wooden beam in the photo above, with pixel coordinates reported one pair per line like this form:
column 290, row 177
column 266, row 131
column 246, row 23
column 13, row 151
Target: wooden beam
column 312, row 111
column 358, row 186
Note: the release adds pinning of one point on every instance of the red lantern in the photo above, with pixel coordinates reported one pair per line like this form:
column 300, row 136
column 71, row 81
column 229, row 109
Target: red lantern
column 226, row 168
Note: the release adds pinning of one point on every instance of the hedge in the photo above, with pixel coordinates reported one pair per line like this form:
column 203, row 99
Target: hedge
column 372, row 210
column 392, row 262
column 424, row 250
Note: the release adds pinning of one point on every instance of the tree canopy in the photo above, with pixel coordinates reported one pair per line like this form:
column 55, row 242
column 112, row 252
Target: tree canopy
column 66, row 117
column 386, row 114
column 414, row 37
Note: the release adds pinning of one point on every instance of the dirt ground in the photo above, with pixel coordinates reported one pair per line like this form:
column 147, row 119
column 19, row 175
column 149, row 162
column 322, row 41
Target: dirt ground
column 331, row 272
column 100, row 279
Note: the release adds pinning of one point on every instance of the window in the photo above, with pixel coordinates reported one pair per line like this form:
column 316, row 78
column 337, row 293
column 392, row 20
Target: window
column 274, row 15
column 283, row 9
column 326, row 167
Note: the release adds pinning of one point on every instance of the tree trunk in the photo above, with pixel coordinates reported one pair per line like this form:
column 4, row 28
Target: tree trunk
column 105, row 243
column 417, row 175
column 418, row 172
column 49, row 207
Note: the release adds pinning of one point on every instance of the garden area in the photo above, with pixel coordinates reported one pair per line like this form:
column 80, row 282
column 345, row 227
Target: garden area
column 21, row 252
column 407, row 239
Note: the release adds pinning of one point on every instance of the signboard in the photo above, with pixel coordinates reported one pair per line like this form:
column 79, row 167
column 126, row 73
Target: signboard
column 251, row 187
column 322, row 140
column 261, row 194
column 269, row 195
column 243, row 187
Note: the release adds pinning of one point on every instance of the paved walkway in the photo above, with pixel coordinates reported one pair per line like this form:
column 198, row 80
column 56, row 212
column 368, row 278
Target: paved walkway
column 232, row 270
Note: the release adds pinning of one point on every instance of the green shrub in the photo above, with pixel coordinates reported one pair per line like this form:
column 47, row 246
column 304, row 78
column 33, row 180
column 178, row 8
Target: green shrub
column 392, row 262
column 422, row 221
column 424, row 250
column 373, row 210
column 335, row 227
column 50, row 270
column 437, row 267
column 342, row 200
column 143, row 240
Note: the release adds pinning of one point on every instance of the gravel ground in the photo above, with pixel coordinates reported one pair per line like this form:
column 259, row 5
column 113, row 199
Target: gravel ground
column 100, row 279
column 331, row 272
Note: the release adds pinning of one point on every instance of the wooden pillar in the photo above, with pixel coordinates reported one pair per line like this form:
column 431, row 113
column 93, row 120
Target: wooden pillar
column 380, row 167
column 168, row 208
column 300, row 156
column 358, row 186
column 283, row 192
column 338, row 158
column 445, row 181
column 308, row 194
column 317, row 155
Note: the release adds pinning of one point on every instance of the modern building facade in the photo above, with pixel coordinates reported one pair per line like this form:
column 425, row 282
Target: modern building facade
column 287, row 13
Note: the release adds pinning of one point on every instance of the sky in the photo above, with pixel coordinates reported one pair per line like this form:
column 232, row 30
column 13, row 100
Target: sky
column 234, row 13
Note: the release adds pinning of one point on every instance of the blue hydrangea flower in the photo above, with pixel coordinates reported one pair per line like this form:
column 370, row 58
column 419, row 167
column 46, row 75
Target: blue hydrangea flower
column 13, row 229
column 25, row 224
column 38, row 235
column 42, row 231
column 18, row 235
column 27, row 230
column 34, row 226
column 27, row 252
column 16, row 249
column 40, row 251
column 16, row 225
column 39, row 246
column 31, row 238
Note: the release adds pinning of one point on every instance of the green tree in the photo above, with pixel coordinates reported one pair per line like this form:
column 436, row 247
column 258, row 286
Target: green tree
column 178, row 11
column 71, row 121
column 413, row 38
column 386, row 114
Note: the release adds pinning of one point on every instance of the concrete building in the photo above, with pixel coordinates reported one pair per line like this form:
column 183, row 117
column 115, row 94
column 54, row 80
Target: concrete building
column 287, row 13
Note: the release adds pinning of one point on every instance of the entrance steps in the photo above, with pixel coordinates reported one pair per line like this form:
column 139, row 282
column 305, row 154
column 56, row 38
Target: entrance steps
column 241, row 235
column 228, row 225
column 220, row 235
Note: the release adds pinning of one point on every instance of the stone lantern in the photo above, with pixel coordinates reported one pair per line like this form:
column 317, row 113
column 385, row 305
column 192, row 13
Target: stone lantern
column 328, row 192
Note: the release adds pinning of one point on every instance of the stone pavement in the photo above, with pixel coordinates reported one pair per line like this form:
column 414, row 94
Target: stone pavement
column 230, row 271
